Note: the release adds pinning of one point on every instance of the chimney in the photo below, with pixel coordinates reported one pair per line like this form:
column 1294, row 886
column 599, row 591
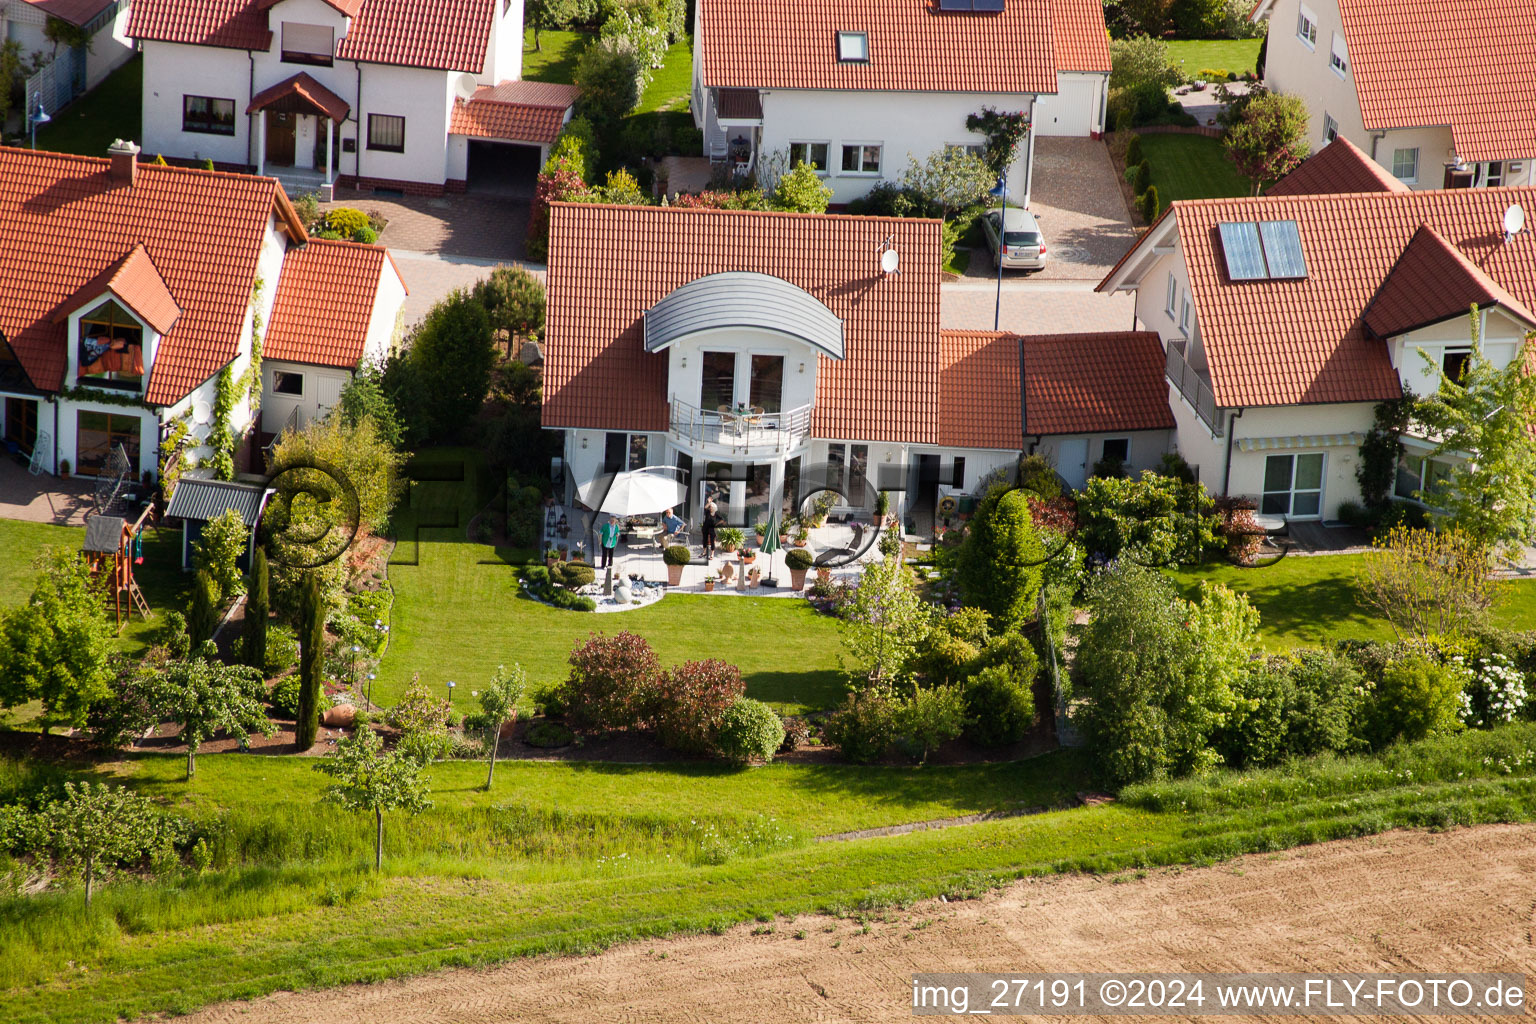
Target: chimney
column 125, row 163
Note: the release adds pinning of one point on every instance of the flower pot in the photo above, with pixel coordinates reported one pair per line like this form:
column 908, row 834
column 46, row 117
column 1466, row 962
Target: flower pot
column 709, row 585
column 674, row 575
column 797, row 579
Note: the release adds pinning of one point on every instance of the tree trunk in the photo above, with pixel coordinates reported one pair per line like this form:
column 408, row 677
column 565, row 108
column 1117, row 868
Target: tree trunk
column 191, row 761
column 90, row 864
column 378, row 840
column 495, row 743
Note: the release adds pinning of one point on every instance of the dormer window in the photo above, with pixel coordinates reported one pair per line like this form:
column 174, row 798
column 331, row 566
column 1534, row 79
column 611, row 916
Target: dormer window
column 111, row 347
column 308, row 44
column 853, row 47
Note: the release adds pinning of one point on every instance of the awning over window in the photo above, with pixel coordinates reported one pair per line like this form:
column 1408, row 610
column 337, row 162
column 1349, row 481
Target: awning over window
column 1264, row 444
column 300, row 94
column 738, row 299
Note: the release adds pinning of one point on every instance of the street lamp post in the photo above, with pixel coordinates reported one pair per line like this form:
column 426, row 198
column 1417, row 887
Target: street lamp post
column 451, row 685
column 369, row 695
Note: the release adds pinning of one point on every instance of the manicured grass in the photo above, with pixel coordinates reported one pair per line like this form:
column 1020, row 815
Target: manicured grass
column 555, row 60
column 110, row 111
column 1234, row 55
column 458, row 613
column 525, row 883
column 1311, row 601
column 672, row 83
column 1190, row 167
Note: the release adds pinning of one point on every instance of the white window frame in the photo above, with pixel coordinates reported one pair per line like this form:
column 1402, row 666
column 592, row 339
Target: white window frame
column 1184, row 317
column 1398, row 152
column 1306, row 27
column 1291, row 491
column 842, row 152
column 1338, row 56
column 1173, row 296
column 853, row 47
column 1486, row 173
column 288, row 373
column 1330, row 128
column 826, row 167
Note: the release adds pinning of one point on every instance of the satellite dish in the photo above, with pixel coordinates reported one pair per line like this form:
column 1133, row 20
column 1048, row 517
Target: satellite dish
column 464, row 86
column 1514, row 221
column 202, row 412
column 889, row 261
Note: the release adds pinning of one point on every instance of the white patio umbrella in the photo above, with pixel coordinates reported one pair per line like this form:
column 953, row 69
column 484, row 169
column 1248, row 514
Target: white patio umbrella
column 644, row 492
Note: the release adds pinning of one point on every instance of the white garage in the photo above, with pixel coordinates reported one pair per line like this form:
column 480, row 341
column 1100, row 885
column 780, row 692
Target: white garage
column 1077, row 109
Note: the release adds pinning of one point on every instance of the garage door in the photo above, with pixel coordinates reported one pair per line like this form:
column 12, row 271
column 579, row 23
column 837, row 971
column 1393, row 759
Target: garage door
column 503, row 168
column 1072, row 111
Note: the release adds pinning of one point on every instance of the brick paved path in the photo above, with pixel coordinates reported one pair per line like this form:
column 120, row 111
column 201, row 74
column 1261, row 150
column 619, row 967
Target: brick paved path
column 483, row 227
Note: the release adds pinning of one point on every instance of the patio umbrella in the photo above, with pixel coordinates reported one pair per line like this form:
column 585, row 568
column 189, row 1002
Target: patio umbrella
column 643, row 492
column 770, row 545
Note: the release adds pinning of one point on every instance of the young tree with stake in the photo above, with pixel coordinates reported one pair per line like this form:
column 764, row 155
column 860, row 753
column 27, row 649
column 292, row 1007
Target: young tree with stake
column 498, row 705
column 99, row 823
column 367, row 779
column 208, row 697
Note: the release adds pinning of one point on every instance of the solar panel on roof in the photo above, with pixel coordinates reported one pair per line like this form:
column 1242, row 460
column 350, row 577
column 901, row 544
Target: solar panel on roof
column 1245, row 254
column 970, row 5
column 1282, row 248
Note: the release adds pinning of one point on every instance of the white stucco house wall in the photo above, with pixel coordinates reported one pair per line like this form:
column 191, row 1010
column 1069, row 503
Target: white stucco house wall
column 380, row 94
column 1440, row 95
column 857, row 89
column 1286, row 318
column 123, row 342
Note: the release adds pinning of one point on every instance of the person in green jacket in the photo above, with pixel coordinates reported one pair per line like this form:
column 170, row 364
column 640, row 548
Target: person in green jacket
column 607, row 540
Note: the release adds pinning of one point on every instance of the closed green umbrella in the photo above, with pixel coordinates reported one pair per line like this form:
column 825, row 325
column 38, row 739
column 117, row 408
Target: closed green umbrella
column 770, row 545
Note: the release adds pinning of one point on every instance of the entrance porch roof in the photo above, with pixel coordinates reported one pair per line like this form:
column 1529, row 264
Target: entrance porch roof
column 300, row 94
column 741, row 299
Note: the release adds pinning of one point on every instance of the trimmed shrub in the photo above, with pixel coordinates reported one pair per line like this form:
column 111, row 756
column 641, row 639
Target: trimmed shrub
column 1143, row 179
column 750, row 731
column 543, row 588
column 1414, row 699
column 864, row 727
column 573, row 575
column 346, row 221
column 366, row 235
column 999, row 710
column 798, row 558
column 1133, row 152
column 611, row 683
column 677, row 555
column 514, row 300
column 690, row 702
column 1148, row 204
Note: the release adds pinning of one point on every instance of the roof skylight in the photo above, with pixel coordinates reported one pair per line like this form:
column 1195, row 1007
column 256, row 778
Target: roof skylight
column 853, row 47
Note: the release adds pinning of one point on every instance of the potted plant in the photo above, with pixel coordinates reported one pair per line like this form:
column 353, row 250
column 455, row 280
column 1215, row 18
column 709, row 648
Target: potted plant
column 748, row 555
column 565, row 552
column 882, row 507
column 551, row 556
column 64, row 468
column 802, row 532
column 821, row 508
column 709, row 582
column 798, row 560
column 676, row 557
column 729, row 539
column 761, row 529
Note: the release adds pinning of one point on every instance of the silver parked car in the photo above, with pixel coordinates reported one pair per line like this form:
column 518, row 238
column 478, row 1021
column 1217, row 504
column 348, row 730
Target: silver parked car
column 1023, row 244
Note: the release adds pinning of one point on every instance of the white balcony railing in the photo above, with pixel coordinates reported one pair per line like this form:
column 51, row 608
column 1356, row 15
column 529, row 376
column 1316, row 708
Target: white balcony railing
column 743, row 432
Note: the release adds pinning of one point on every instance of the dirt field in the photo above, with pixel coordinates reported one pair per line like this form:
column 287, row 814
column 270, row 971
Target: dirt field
column 1407, row 901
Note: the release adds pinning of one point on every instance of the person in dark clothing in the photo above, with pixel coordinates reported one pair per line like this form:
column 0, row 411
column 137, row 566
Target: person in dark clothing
column 708, row 525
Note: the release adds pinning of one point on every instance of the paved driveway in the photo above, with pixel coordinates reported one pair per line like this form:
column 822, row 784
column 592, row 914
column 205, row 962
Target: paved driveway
column 483, row 227
column 1078, row 203
column 1039, row 307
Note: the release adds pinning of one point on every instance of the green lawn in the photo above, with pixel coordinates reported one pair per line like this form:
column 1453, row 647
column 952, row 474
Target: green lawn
column 672, row 83
column 1310, row 601
column 1234, row 55
column 555, row 59
column 108, row 112
column 1190, row 167
column 567, row 859
column 458, row 614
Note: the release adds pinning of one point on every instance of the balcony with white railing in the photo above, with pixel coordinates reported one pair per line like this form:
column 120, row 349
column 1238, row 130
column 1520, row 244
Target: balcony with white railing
column 1194, row 385
column 739, row 432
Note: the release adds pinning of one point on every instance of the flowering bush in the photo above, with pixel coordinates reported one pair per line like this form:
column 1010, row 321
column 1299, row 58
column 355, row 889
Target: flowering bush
column 1495, row 692
column 690, row 702
column 558, row 182
column 611, row 682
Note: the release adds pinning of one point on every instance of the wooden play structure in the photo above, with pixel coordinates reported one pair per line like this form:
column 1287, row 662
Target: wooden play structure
column 112, row 540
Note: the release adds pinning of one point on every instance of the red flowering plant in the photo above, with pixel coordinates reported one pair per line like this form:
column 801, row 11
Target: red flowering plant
column 690, row 701
column 612, row 681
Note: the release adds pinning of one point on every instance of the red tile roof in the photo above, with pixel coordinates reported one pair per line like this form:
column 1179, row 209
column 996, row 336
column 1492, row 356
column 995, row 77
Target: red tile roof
column 1305, row 341
column 523, row 111
column 979, row 390
column 1090, row 383
column 236, row 24
column 347, row 7
column 308, row 91
column 324, row 303
column 1468, row 64
column 1340, row 166
column 62, row 223
column 76, row 12
column 135, row 282
column 1432, row 282
column 792, row 44
column 1077, row 28
column 449, row 35
column 605, row 271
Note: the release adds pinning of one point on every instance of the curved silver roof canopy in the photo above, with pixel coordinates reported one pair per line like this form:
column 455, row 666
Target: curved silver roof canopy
column 741, row 299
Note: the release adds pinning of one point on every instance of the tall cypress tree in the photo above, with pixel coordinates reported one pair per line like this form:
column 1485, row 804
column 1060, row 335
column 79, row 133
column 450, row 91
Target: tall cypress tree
column 203, row 617
column 311, row 658
column 257, row 607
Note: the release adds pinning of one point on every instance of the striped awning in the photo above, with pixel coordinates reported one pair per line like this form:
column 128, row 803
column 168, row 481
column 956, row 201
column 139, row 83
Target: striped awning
column 1265, row 444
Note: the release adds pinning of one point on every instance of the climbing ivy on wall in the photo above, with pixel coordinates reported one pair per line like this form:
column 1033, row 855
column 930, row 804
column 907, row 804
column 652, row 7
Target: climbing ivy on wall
column 221, row 440
column 250, row 380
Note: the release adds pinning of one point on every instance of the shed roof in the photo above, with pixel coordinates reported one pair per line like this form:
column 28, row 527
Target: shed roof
column 743, row 299
column 103, row 534
column 201, row 500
